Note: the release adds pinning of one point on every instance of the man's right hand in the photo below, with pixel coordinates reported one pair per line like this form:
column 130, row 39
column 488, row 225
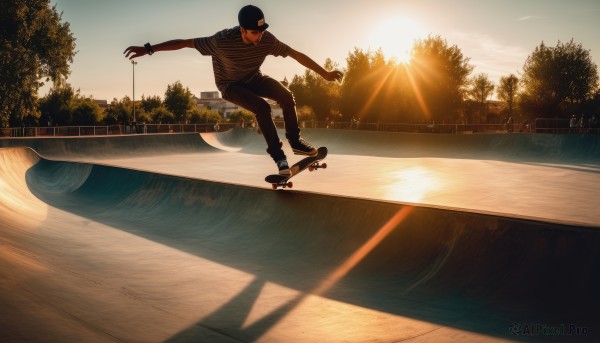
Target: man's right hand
column 135, row 51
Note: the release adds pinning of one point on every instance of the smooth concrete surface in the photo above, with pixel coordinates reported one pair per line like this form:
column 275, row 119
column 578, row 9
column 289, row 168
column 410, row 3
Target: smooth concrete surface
column 426, row 238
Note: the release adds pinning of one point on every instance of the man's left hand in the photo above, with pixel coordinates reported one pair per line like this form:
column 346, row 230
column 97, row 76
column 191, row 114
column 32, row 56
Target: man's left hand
column 334, row 75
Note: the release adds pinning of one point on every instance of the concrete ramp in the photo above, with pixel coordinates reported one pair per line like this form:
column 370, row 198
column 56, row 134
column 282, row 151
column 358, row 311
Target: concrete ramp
column 100, row 253
column 519, row 147
column 98, row 147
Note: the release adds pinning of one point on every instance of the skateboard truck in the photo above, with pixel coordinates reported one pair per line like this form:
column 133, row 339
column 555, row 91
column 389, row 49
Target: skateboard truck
column 283, row 184
column 316, row 166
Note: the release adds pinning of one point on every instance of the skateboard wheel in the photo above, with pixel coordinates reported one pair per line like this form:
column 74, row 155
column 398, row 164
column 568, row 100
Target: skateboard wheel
column 274, row 185
column 290, row 185
column 324, row 165
column 311, row 168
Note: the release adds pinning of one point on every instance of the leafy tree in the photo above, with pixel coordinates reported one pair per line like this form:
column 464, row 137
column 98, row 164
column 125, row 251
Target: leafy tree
column 87, row 112
column 480, row 90
column 508, row 89
column 237, row 117
column 57, row 106
column 119, row 112
column 152, row 109
column 374, row 89
column 204, row 116
column 314, row 91
column 179, row 101
column 558, row 79
column 299, row 89
column 34, row 44
column 438, row 75
column 161, row 115
column 150, row 103
column 357, row 85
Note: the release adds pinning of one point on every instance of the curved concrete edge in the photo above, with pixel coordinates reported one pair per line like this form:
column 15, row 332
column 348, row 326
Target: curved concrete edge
column 522, row 147
column 110, row 147
column 539, row 148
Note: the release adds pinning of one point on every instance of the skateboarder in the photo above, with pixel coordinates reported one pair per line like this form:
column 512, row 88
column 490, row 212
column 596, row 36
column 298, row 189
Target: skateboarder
column 237, row 54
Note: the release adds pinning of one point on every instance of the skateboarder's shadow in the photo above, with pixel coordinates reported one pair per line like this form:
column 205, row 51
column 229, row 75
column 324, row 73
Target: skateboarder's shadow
column 229, row 319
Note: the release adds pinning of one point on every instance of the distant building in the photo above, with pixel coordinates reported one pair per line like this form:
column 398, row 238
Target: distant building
column 209, row 95
column 102, row 103
column 213, row 101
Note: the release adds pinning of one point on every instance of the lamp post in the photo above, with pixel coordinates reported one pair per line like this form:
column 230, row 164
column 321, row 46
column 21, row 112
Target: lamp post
column 133, row 63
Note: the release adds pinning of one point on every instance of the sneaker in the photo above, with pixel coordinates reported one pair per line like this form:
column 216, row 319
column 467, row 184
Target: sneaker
column 284, row 168
column 302, row 147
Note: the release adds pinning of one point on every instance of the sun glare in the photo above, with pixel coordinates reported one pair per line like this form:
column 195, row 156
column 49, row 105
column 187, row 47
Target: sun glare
column 413, row 184
column 395, row 37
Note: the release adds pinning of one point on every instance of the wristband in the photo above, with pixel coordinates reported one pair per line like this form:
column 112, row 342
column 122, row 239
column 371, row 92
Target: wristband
column 148, row 48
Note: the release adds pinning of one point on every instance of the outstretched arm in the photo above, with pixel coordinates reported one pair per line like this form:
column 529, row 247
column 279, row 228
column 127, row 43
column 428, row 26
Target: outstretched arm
column 334, row 75
column 176, row 44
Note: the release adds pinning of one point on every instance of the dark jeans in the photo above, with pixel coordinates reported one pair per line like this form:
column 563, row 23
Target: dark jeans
column 249, row 95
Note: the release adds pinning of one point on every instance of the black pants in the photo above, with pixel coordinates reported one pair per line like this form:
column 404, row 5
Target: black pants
column 249, row 95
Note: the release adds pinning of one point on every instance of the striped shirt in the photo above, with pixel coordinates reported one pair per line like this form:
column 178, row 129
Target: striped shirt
column 235, row 61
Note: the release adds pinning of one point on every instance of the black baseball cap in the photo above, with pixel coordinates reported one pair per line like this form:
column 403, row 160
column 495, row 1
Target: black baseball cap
column 252, row 18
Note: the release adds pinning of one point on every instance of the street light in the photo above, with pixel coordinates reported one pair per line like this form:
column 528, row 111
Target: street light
column 133, row 63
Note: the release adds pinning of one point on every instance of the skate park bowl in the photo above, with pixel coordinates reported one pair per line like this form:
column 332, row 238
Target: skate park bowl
column 405, row 237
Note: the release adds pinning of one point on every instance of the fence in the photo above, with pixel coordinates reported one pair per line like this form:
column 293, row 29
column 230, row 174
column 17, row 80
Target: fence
column 111, row 130
column 416, row 128
column 541, row 125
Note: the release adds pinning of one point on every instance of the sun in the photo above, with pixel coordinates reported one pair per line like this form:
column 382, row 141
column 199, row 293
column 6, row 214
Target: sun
column 395, row 36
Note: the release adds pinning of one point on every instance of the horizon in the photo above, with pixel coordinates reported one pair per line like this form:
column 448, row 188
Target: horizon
column 497, row 38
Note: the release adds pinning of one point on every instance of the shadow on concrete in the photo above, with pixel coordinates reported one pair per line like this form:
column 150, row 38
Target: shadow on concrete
column 464, row 270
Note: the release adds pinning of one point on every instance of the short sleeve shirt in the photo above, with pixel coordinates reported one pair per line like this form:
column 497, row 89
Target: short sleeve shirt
column 233, row 60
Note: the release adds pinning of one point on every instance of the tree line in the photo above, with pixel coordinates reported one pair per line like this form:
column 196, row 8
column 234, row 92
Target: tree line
column 64, row 106
column 437, row 84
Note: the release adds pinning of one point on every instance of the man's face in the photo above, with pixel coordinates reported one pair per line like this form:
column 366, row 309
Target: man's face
column 251, row 36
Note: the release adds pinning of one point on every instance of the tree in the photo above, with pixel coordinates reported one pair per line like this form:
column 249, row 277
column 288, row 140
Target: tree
column 57, row 106
column 508, row 88
column 480, row 90
column 151, row 103
column 314, row 91
column 299, row 89
column 161, row 115
column 557, row 80
column 87, row 112
column 238, row 116
column 204, row 116
column 119, row 112
column 321, row 94
column 34, row 44
column 438, row 75
column 179, row 101
column 374, row 89
column 357, row 86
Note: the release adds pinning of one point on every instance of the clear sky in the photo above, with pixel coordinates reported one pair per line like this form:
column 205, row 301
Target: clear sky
column 497, row 36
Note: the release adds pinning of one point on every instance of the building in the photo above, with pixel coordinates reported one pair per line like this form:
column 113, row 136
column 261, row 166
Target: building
column 213, row 101
column 102, row 103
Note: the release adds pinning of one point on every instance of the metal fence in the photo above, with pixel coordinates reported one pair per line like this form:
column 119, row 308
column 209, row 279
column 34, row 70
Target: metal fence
column 63, row 131
column 541, row 125
column 414, row 128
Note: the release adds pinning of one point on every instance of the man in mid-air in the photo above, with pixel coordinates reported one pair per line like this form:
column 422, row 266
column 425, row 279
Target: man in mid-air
column 237, row 54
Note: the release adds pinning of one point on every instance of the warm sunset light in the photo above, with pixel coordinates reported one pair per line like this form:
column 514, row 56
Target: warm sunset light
column 412, row 184
column 395, row 37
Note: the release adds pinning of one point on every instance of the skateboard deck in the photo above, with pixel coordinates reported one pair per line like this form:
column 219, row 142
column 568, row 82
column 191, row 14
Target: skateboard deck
column 311, row 163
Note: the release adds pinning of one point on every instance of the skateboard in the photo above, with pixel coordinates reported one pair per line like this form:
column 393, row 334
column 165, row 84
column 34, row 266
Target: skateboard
column 311, row 163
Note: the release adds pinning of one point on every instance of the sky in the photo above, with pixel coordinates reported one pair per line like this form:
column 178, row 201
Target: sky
column 497, row 36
